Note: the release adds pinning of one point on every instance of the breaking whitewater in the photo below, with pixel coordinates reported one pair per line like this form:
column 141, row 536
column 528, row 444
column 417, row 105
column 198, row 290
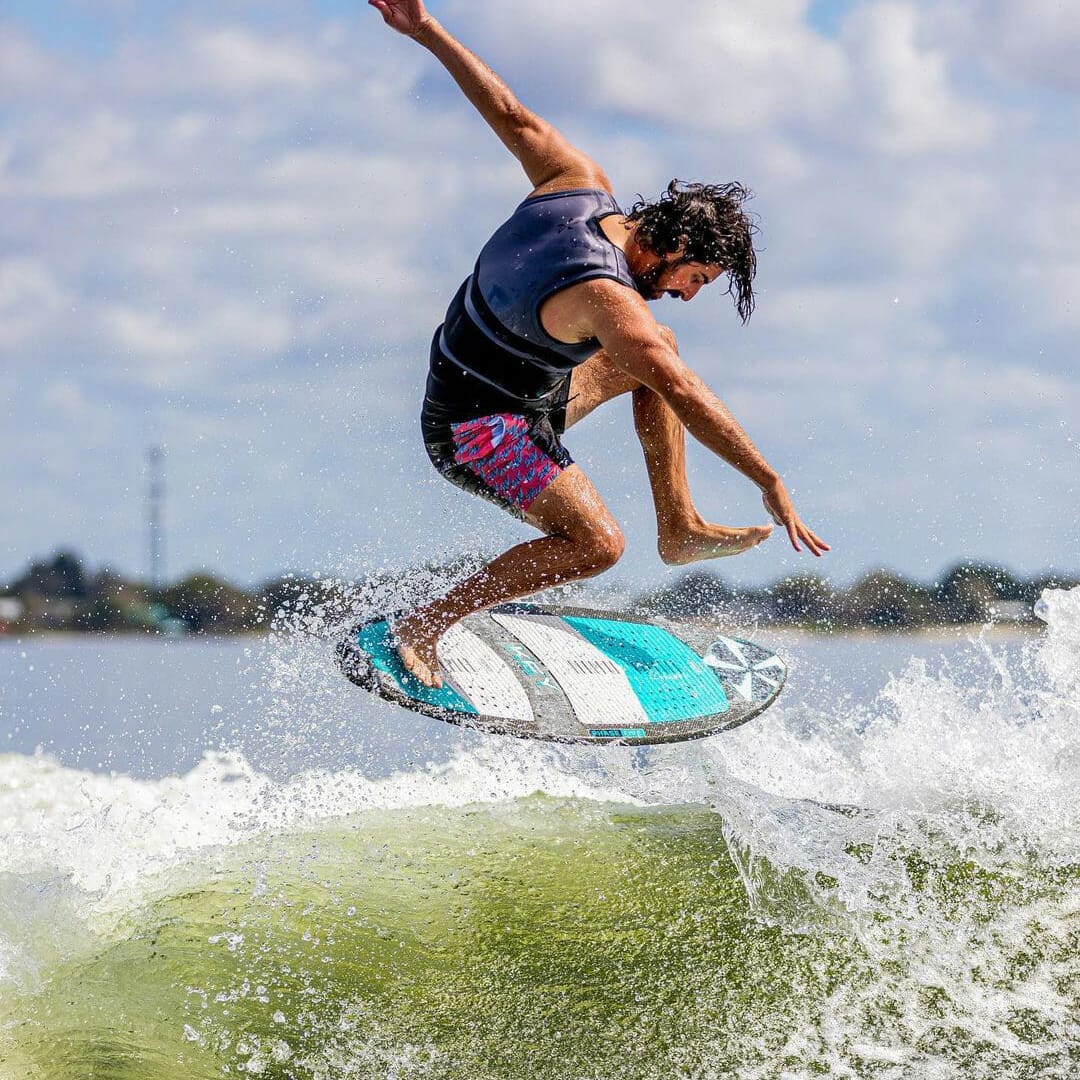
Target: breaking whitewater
column 886, row 887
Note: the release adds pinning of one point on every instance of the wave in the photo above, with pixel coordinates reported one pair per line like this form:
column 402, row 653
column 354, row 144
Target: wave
column 886, row 890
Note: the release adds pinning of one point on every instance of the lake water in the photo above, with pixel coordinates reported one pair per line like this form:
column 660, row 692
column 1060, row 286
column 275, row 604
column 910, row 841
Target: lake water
column 220, row 858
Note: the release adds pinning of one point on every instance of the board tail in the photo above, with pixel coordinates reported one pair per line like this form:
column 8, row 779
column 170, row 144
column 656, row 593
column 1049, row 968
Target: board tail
column 355, row 665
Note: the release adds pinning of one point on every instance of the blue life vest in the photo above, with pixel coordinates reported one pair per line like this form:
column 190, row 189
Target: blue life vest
column 492, row 354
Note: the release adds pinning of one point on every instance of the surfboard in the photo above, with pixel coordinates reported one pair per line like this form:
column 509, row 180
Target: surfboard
column 575, row 675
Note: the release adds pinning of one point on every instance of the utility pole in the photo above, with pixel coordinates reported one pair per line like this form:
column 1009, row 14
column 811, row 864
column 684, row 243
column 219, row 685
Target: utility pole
column 155, row 496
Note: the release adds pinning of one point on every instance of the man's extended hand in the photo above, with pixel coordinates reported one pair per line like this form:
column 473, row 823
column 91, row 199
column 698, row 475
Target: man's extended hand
column 778, row 503
column 405, row 16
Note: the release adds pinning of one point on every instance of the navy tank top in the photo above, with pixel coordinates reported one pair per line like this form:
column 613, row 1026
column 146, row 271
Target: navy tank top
column 492, row 354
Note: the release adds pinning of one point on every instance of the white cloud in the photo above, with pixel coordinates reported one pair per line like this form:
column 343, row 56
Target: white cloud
column 240, row 61
column 25, row 68
column 718, row 66
column 74, row 410
column 751, row 72
column 30, row 299
column 166, row 351
column 1037, row 41
column 1052, row 290
column 722, row 67
column 905, row 96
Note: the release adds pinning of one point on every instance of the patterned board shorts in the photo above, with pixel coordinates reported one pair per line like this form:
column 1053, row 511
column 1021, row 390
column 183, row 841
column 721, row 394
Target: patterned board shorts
column 505, row 457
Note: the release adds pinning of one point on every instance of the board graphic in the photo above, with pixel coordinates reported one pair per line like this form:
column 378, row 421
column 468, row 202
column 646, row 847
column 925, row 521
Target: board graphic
column 576, row 675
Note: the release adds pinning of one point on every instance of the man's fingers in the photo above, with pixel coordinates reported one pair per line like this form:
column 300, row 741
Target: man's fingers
column 814, row 543
column 808, row 539
column 809, row 536
column 793, row 534
column 797, row 531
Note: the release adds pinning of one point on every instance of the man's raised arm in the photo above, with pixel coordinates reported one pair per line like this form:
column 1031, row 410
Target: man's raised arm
column 544, row 153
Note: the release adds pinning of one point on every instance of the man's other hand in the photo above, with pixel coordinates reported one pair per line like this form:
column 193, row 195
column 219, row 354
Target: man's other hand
column 778, row 503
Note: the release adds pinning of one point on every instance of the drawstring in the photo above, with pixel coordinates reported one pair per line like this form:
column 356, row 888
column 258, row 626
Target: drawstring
column 544, row 415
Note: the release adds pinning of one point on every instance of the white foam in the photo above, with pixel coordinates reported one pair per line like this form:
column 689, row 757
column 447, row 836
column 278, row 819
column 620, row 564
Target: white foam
column 108, row 832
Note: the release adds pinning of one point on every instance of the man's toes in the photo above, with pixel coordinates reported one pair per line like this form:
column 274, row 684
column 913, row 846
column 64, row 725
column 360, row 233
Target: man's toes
column 761, row 533
column 414, row 665
column 421, row 670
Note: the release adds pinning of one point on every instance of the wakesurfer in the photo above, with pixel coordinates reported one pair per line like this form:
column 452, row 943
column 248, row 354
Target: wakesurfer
column 552, row 323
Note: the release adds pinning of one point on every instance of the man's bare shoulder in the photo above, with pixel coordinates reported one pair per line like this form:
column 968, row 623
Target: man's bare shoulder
column 578, row 312
column 609, row 294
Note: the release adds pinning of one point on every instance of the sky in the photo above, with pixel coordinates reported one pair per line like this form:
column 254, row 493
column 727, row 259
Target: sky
column 230, row 229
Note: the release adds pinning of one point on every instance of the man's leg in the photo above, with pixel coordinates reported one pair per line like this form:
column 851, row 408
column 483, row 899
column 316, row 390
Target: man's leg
column 582, row 539
column 682, row 534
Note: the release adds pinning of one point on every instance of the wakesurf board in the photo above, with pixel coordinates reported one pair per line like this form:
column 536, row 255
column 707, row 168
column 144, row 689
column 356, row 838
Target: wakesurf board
column 575, row 675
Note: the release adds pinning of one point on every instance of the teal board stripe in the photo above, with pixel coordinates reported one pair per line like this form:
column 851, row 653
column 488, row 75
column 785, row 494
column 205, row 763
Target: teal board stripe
column 670, row 680
column 376, row 641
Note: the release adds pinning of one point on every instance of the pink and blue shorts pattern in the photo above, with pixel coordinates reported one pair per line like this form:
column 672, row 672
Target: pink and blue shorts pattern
column 505, row 457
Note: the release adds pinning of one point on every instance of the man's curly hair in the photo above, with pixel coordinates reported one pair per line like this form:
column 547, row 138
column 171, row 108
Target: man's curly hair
column 708, row 223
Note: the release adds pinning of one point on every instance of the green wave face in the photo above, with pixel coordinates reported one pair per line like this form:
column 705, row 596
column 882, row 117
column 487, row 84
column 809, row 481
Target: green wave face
column 555, row 938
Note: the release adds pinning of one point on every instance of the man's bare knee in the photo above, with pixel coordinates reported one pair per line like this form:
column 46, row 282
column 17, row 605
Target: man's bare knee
column 600, row 548
column 611, row 547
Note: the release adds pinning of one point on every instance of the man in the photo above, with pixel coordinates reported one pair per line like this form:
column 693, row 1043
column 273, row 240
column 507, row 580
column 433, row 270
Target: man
column 552, row 323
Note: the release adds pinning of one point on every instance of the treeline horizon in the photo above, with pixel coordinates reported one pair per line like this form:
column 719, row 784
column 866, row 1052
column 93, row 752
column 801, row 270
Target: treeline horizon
column 61, row 593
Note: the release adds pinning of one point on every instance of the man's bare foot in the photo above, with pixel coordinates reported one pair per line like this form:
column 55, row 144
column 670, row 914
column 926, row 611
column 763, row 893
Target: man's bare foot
column 416, row 646
column 703, row 540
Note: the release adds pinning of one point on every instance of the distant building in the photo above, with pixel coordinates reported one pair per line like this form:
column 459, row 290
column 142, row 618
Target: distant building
column 11, row 609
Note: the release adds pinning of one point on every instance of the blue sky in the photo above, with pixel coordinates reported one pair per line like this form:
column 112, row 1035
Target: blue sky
column 231, row 228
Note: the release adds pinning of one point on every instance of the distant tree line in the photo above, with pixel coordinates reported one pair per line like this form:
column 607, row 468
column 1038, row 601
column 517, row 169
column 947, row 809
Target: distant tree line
column 61, row 593
column 966, row 593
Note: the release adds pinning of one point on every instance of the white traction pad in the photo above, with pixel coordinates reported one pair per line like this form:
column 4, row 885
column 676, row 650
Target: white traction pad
column 596, row 687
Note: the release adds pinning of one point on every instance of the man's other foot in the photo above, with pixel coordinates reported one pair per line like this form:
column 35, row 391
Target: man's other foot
column 706, row 541
column 416, row 647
